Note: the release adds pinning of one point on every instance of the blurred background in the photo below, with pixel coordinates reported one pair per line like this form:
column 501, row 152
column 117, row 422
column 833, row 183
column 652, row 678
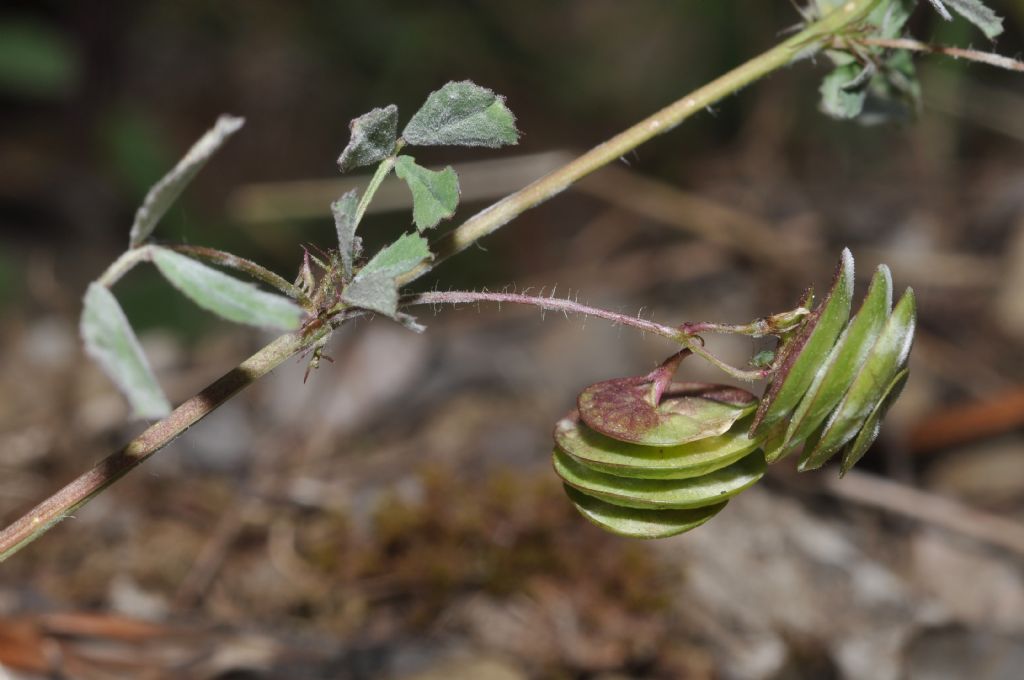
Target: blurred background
column 396, row 517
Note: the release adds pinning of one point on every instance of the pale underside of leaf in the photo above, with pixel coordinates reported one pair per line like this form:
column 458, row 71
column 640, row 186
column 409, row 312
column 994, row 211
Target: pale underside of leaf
column 110, row 341
column 634, row 523
column 349, row 245
column 226, row 296
column 166, row 191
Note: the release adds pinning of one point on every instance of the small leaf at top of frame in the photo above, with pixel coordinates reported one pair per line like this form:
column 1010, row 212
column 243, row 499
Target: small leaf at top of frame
column 976, row 12
column 462, row 114
column 373, row 137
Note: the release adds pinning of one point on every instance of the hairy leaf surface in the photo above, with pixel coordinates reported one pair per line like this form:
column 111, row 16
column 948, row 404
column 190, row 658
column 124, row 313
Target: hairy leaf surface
column 110, row 341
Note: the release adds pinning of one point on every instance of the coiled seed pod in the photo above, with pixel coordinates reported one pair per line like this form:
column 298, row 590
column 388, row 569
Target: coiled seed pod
column 645, row 457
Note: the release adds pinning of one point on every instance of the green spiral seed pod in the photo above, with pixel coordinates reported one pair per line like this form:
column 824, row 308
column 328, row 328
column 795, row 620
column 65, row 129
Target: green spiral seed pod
column 648, row 458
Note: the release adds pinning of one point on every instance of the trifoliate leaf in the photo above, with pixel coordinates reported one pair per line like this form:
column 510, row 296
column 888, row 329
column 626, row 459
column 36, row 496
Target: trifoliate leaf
column 226, row 296
column 167, row 190
column 349, row 245
column 435, row 195
column 375, row 287
column 976, row 12
column 841, row 94
column 109, row 340
column 463, row 114
column 373, row 137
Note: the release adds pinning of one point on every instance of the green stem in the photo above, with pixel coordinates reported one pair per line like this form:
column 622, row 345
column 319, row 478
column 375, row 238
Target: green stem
column 489, row 220
column 65, row 502
column 256, row 271
column 383, row 170
column 73, row 496
column 124, row 264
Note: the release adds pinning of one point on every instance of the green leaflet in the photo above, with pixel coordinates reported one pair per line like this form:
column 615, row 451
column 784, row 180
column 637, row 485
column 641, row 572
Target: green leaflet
column 837, row 373
column 349, row 245
column 671, row 494
column 166, row 191
column 462, row 114
column 856, row 449
column 373, row 138
column 800, row 358
column 622, row 409
column 976, row 12
column 435, row 194
column 375, row 286
column 868, row 389
column 605, row 454
column 109, row 340
column 844, row 91
column 634, row 523
column 226, row 296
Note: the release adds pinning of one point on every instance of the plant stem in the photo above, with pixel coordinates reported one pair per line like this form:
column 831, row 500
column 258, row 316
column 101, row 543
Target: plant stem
column 73, row 496
column 990, row 58
column 491, row 219
column 383, row 170
column 548, row 303
column 689, row 340
column 124, row 264
column 76, row 494
column 256, row 271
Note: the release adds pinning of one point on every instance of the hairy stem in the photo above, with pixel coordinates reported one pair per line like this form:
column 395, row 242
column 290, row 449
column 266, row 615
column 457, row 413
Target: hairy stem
column 990, row 58
column 692, row 342
column 80, row 491
column 548, row 303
